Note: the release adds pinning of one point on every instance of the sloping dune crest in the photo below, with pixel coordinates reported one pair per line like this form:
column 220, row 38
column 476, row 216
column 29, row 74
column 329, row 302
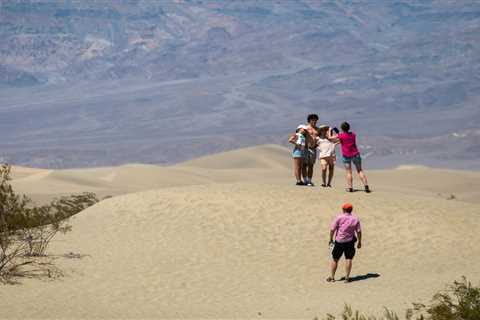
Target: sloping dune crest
column 268, row 162
column 244, row 242
column 453, row 184
column 240, row 249
column 260, row 157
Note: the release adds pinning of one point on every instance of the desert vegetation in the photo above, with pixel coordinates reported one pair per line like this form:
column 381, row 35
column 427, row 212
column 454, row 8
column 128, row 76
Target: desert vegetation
column 26, row 229
column 459, row 301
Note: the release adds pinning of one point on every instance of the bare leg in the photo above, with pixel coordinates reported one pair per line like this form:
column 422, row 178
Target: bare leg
column 331, row 169
column 310, row 172
column 333, row 268
column 324, row 173
column 348, row 268
column 304, row 171
column 361, row 174
column 363, row 177
column 348, row 169
column 297, row 168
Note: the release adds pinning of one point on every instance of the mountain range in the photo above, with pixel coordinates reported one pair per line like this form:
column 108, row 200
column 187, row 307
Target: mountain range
column 96, row 83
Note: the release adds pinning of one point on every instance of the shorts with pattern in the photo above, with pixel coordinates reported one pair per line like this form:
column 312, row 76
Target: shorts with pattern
column 357, row 160
column 298, row 153
column 310, row 156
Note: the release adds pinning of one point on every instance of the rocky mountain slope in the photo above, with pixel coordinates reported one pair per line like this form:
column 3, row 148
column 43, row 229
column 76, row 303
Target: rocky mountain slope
column 101, row 83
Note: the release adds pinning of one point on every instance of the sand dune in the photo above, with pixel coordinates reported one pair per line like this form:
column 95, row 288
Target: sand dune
column 223, row 237
column 103, row 181
column 268, row 164
column 260, row 157
column 20, row 172
column 462, row 185
column 257, row 163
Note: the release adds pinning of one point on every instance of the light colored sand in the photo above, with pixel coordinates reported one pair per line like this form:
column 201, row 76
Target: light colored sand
column 222, row 237
column 421, row 181
column 263, row 157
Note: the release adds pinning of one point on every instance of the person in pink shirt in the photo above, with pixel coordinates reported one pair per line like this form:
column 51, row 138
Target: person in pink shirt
column 346, row 229
column 351, row 154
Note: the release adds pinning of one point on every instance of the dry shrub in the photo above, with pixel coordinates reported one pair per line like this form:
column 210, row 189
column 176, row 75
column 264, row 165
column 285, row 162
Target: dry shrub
column 459, row 301
column 43, row 223
column 349, row 314
column 26, row 230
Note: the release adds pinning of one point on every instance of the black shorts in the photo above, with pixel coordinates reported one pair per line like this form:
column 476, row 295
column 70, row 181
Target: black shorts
column 340, row 248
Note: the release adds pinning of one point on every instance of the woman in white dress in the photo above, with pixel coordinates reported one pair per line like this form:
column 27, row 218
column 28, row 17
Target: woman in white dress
column 326, row 153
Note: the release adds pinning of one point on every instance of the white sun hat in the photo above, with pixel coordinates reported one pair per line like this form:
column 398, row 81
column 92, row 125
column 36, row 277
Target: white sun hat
column 302, row 126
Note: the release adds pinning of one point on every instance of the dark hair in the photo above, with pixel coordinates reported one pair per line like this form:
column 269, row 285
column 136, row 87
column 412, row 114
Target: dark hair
column 312, row 117
column 345, row 126
column 348, row 210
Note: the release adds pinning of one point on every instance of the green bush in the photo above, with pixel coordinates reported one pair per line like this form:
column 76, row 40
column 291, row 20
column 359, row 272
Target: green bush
column 459, row 301
column 349, row 314
column 25, row 229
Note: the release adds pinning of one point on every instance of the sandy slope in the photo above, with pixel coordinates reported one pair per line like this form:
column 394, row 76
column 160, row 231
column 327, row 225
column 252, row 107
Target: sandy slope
column 266, row 164
column 222, row 237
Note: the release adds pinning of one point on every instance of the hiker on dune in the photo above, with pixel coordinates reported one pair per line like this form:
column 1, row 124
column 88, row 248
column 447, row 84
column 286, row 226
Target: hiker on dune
column 326, row 154
column 350, row 154
column 311, row 151
column 299, row 140
column 347, row 231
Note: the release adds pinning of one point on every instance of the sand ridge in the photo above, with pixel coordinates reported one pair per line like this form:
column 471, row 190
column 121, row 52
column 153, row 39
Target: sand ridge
column 245, row 242
column 265, row 163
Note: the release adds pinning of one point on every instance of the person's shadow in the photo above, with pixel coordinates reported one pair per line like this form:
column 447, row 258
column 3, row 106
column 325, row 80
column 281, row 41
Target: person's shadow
column 357, row 190
column 360, row 190
column 363, row 277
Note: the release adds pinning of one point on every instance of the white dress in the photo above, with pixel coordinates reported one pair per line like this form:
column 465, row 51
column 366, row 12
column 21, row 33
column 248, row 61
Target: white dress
column 326, row 148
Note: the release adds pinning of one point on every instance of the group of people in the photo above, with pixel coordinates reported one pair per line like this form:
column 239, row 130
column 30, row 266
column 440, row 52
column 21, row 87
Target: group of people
column 312, row 142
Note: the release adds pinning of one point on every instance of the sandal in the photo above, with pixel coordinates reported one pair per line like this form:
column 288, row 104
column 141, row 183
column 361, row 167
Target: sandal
column 330, row 279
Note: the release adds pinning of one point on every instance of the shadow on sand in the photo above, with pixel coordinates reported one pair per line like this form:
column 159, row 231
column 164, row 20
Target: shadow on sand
column 363, row 277
column 358, row 190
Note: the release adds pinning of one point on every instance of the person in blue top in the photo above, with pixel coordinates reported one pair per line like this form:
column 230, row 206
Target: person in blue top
column 299, row 139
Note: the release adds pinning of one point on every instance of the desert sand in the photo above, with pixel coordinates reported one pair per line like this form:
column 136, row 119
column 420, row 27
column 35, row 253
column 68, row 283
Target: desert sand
column 229, row 235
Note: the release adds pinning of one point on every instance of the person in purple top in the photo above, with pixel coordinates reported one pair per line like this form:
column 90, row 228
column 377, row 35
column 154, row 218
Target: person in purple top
column 344, row 228
column 350, row 154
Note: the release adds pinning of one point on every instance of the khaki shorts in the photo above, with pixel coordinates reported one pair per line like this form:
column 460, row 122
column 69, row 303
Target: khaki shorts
column 328, row 161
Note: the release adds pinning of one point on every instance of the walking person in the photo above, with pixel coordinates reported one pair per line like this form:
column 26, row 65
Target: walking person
column 326, row 154
column 299, row 139
column 347, row 231
column 311, row 151
column 350, row 153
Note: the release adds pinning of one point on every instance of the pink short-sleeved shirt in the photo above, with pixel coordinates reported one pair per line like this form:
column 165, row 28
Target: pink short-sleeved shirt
column 345, row 224
column 349, row 144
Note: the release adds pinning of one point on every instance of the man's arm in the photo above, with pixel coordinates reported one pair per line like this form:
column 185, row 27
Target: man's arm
column 359, row 236
column 332, row 233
